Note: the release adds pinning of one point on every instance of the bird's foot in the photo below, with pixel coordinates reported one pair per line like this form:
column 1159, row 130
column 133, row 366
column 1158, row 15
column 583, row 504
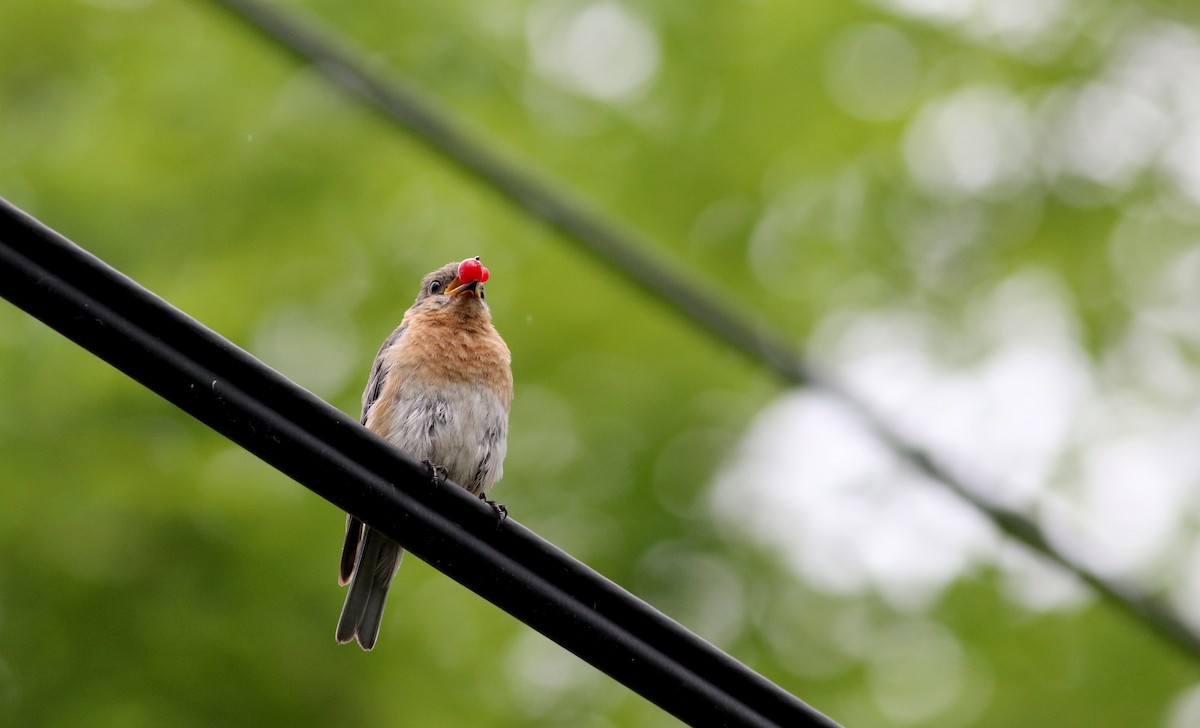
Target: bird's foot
column 499, row 508
column 438, row 474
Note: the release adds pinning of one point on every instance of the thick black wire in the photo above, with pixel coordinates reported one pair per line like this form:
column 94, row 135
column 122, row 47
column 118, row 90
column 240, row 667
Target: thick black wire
column 240, row 397
column 626, row 253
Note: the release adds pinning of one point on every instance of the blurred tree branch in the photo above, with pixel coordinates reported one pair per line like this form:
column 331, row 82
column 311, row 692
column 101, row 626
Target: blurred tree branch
column 630, row 255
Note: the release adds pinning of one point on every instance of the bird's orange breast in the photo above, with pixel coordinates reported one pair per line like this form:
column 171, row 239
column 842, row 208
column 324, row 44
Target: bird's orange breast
column 441, row 348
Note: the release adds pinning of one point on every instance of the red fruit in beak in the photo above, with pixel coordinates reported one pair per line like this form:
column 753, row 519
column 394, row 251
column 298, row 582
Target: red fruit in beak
column 472, row 270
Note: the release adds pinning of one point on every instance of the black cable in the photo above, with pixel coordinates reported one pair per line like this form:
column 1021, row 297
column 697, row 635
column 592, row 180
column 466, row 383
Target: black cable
column 309, row 440
column 629, row 255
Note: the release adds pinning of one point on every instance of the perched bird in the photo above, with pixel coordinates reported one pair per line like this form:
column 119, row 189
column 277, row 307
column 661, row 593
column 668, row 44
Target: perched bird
column 440, row 390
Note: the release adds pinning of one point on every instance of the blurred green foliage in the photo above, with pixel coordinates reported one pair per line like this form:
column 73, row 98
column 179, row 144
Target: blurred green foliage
column 152, row 574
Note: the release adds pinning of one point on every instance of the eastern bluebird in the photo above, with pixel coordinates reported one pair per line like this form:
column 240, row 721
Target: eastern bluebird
column 439, row 390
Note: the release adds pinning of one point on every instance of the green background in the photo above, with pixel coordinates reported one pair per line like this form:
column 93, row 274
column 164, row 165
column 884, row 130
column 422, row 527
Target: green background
column 817, row 163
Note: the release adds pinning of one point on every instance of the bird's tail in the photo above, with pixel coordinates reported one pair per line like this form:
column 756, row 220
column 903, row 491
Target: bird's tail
column 378, row 559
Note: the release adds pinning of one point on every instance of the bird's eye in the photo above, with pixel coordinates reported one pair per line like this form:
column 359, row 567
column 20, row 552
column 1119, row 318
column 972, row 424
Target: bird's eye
column 435, row 286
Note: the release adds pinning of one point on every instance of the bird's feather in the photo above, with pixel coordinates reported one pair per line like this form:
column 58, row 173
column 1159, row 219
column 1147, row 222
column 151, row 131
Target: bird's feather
column 362, row 612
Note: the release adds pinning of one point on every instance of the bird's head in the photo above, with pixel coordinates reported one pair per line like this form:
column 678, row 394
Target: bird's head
column 454, row 284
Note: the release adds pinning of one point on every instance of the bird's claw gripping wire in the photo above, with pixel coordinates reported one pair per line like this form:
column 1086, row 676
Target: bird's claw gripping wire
column 438, row 475
column 500, row 509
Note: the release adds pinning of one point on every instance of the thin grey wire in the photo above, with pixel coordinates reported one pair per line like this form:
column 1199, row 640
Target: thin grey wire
column 629, row 254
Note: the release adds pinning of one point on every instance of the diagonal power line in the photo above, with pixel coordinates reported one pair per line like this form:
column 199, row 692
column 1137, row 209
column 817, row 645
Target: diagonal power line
column 330, row 453
column 629, row 254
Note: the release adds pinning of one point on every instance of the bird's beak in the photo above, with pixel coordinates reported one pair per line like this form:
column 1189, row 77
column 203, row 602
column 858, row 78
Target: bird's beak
column 463, row 289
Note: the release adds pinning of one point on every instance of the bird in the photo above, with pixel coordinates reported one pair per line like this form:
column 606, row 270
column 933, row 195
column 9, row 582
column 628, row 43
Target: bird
column 440, row 390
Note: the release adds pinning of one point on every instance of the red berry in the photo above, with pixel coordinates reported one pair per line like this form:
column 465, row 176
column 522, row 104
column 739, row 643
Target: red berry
column 471, row 270
column 484, row 277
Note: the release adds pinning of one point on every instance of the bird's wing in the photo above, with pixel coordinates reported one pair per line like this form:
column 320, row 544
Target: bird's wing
column 354, row 526
column 375, row 382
